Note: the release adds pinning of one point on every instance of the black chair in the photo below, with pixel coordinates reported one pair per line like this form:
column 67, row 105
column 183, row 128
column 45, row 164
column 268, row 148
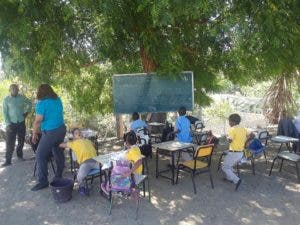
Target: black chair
column 200, row 138
column 264, row 136
column 288, row 156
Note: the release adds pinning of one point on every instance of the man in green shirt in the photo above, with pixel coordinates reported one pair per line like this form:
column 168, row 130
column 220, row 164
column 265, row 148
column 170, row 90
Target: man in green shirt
column 15, row 109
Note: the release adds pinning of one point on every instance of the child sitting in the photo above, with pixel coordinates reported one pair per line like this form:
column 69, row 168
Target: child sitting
column 84, row 151
column 137, row 122
column 132, row 155
column 237, row 139
column 183, row 131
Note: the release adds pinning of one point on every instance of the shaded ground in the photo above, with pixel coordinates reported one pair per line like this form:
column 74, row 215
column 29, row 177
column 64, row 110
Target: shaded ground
column 260, row 200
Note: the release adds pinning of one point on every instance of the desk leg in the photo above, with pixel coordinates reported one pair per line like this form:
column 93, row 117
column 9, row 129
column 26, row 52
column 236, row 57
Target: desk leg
column 173, row 168
column 157, row 162
column 280, row 148
column 297, row 170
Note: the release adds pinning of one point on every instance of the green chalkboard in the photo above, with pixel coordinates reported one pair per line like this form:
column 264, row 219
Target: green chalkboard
column 152, row 93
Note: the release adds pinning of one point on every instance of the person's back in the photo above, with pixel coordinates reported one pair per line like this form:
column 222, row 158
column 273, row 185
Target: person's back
column 286, row 127
column 238, row 136
column 183, row 127
column 133, row 155
column 137, row 122
column 52, row 111
column 83, row 149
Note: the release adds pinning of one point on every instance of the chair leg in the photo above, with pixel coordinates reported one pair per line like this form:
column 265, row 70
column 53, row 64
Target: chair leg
column 272, row 166
column 178, row 167
column 149, row 191
column 34, row 169
column 111, row 202
column 211, row 180
column 220, row 160
column 238, row 169
column 194, row 185
column 253, row 166
column 137, row 206
column 280, row 168
column 265, row 157
column 144, row 188
column 297, row 170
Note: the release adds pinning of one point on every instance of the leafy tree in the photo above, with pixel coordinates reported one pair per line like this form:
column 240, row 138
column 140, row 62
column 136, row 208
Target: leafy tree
column 68, row 43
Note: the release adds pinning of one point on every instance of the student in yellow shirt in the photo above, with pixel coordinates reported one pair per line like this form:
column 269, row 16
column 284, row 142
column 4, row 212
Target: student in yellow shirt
column 84, row 151
column 237, row 137
column 133, row 153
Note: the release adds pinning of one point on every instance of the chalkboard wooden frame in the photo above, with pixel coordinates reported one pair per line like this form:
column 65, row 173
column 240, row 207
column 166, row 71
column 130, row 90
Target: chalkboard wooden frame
column 143, row 92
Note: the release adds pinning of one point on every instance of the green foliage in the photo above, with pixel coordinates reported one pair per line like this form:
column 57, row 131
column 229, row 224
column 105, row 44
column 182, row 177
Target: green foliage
column 66, row 43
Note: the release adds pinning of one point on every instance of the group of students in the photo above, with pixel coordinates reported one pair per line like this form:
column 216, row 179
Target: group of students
column 49, row 131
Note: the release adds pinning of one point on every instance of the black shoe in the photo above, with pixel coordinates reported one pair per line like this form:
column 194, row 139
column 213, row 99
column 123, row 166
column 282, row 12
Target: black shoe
column 238, row 184
column 39, row 186
column 5, row 164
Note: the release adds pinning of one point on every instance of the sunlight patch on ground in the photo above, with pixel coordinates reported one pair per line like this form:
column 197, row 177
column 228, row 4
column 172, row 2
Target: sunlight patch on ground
column 265, row 210
column 246, row 221
column 23, row 204
column 293, row 187
column 185, row 197
column 191, row 220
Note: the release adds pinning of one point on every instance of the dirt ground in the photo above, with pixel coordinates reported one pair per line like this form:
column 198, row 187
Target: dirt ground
column 261, row 199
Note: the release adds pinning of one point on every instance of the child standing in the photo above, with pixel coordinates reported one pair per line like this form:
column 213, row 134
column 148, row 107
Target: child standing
column 237, row 139
column 84, row 151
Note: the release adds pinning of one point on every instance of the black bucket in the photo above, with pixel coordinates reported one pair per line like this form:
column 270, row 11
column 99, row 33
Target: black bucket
column 62, row 189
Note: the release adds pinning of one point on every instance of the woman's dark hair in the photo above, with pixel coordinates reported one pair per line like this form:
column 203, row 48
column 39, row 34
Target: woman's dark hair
column 45, row 91
column 235, row 118
column 135, row 116
column 131, row 138
column 182, row 111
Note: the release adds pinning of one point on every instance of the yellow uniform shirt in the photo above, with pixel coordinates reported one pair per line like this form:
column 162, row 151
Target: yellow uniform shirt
column 133, row 155
column 238, row 136
column 83, row 149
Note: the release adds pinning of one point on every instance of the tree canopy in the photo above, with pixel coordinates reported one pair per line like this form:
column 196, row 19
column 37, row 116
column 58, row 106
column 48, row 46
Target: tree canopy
column 79, row 44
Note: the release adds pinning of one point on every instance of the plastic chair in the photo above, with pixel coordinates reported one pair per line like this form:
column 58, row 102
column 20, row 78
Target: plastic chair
column 200, row 164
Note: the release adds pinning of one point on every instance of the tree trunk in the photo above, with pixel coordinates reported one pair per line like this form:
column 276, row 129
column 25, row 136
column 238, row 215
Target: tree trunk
column 119, row 126
column 279, row 98
column 149, row 64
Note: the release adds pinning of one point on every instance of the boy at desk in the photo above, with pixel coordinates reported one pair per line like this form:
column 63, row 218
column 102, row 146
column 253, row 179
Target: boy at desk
column 183, row 131
column 237, row 137
column 84, row 151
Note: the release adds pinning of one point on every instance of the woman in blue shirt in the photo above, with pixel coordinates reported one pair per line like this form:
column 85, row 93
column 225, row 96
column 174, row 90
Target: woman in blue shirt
column 49, row 121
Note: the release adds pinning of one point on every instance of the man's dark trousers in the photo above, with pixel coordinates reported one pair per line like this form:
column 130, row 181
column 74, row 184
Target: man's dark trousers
column 13, row 131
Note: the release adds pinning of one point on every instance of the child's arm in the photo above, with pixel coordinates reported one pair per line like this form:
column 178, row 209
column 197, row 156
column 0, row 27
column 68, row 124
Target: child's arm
column 63, row 145
column 134, row 167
